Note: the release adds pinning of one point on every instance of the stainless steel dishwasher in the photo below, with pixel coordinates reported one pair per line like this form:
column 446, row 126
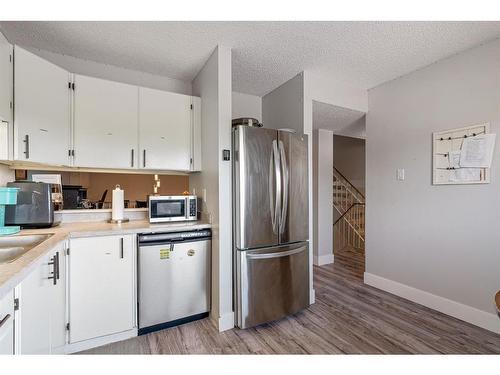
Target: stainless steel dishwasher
column 173, row 278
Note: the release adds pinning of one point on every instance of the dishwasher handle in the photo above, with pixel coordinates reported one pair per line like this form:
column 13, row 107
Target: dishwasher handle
column 162, row 238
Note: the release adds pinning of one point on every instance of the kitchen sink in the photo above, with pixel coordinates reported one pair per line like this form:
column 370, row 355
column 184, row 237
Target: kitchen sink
column 14, row 247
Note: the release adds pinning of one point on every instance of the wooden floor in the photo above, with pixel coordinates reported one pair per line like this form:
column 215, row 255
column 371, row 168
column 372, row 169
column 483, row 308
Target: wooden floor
column 348, row 317
column 350, row 260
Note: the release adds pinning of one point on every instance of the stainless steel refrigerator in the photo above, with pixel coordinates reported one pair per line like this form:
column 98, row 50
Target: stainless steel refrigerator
column 271, row 224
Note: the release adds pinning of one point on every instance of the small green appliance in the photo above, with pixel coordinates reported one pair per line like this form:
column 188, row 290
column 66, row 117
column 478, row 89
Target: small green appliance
column 8, row 195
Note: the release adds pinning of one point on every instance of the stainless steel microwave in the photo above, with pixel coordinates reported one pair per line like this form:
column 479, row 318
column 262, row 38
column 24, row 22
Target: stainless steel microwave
column 163, row 208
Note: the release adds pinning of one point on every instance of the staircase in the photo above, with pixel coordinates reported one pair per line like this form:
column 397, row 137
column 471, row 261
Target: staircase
column 349, row 203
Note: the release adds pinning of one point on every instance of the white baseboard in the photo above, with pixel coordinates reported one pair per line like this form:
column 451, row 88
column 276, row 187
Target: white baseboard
column 100, row 341
column 225, row 322
column 460, row 311
column 321, row 260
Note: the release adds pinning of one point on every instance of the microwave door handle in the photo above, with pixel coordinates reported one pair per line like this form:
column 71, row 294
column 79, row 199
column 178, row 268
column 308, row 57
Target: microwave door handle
column 186, row 208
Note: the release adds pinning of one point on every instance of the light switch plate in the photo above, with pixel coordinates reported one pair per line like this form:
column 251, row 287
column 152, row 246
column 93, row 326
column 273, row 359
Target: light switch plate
column 400, row 174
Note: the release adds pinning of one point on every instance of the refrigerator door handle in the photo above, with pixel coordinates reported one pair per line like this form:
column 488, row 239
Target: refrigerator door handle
column 286, row 181
column 277, row 182
column 276, row 254
column 271, row 186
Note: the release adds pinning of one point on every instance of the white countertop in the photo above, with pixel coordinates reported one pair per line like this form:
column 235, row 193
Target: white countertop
column 13, row 273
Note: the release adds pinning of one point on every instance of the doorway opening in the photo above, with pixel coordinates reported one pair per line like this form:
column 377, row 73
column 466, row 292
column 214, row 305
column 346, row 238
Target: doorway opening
column 349, row 203
column 339, row 191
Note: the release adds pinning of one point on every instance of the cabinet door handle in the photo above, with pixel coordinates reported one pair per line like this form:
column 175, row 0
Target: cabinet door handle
column 144, row 158
column 121, row 248
column 4, row 320
column 132, row 159
column 54, row 270
column 57, row 269
column 27, row 146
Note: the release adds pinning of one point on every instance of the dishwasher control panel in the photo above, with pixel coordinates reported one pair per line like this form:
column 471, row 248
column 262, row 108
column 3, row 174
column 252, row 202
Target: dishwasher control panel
column 175, row 236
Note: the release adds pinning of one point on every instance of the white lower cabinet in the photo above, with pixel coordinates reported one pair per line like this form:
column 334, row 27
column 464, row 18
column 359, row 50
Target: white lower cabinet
column 7, row 324
column 102, row 298
column 41, row 318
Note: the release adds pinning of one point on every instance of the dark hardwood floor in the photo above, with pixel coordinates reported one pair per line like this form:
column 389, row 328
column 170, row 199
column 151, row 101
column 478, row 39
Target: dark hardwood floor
column 348, row 317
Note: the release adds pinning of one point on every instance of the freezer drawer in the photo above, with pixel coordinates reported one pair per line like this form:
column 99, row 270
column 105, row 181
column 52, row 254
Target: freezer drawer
column 271, row 283
column 174, row 281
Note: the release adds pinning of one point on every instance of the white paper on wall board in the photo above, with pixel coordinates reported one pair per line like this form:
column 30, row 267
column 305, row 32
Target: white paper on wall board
column 477, row 152
column 454, row 159
column 465, row 175
column 447, row 148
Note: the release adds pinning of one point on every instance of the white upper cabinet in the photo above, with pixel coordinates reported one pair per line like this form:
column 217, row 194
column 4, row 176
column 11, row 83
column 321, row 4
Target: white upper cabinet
column 6, row 80
column 74, row 120
column 105, row 123
column 41, row 110
column 165, row 124
column 6, row 100
column 196, row 135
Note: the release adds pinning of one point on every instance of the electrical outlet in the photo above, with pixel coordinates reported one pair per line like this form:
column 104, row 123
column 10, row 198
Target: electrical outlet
column 194, row 191
column 400, row 176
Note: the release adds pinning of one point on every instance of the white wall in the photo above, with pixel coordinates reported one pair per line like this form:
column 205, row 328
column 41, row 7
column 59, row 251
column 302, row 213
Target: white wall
column 245, row 105
column 323, row 196
column 437, row 245
column 213, row 85
column 328, row 90
column 114, row 73
column 6, row 175
column 283, row 107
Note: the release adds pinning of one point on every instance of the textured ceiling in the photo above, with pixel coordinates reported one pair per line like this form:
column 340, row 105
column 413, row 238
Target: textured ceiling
column 340, row 120
column 265, row 54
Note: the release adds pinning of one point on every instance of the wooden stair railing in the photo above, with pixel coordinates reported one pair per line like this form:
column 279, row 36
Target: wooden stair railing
column 349, row 202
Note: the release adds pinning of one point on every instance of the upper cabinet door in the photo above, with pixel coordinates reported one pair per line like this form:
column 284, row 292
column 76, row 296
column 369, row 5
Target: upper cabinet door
column 6, row 80
column 164, row 130
column 196, row 135
column 41, row 111
column 105, row 123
